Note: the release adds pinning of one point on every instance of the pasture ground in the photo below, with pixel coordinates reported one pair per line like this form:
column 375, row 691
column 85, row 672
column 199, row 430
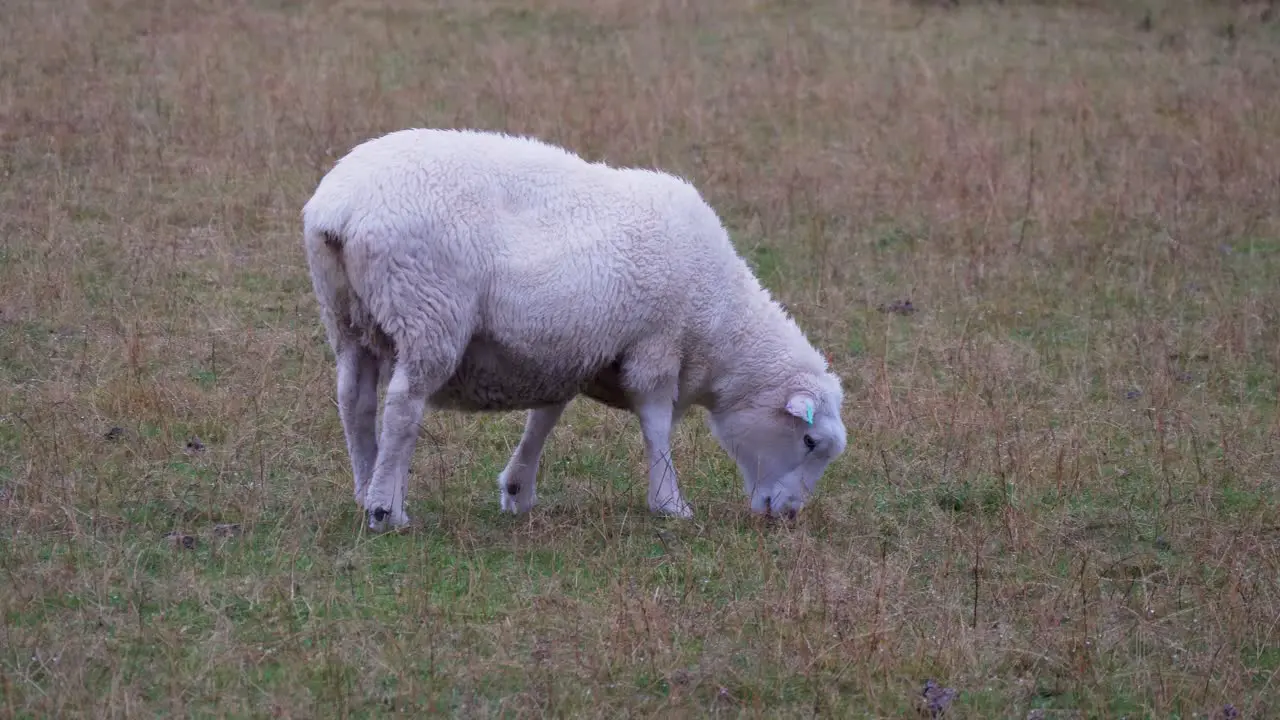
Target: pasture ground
column 1060, row 495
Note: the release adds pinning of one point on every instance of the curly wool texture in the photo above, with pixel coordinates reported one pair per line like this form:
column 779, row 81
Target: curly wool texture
column 478, row 271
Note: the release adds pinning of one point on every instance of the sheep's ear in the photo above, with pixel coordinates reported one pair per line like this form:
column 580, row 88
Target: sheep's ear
column 801, row 405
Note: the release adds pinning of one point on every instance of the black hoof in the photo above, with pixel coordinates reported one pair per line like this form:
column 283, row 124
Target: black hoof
column 380, row 514
column 513, row 488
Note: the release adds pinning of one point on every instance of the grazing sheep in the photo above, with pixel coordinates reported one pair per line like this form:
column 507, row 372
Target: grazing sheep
column 483, row 272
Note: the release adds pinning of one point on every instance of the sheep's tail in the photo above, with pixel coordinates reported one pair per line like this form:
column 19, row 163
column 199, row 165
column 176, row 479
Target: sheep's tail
column 334, row 293
column 324, row 248
column 325, row 254
column 345, row 315
column 332, row 240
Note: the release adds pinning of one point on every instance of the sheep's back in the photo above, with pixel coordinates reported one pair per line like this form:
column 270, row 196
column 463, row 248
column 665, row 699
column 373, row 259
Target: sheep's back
column 565, row 264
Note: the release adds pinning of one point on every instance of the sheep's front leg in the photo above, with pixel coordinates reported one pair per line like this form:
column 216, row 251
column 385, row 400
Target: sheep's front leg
column 656, row 411
column 517, row 485
column 358, row 410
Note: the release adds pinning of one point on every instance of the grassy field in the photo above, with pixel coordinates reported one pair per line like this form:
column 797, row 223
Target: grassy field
column 1060, row 497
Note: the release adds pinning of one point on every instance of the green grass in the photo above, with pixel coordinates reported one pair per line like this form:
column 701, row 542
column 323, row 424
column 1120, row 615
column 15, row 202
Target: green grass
column 1060, row 491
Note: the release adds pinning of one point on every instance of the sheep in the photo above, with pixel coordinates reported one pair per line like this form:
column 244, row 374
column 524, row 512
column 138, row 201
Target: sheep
column 488, row 272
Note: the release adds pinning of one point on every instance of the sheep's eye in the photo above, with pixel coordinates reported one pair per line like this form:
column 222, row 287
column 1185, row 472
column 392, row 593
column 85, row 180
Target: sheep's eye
column 810, row 443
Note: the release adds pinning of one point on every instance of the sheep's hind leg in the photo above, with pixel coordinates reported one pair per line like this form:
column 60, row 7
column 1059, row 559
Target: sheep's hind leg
column 517, row 485
column 413, row 381
column 358, row 410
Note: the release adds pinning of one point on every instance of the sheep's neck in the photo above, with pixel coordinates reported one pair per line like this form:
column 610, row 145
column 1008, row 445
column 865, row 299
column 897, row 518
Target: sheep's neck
column 756, row 350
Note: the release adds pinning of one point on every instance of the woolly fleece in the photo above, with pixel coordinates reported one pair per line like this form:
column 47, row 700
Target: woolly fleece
column 477, row 271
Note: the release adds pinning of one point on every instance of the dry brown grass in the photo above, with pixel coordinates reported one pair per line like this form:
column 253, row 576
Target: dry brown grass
column 1061, row 488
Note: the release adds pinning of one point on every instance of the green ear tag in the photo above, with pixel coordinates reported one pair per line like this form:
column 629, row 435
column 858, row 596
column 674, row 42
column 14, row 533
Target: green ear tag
column 808, row 413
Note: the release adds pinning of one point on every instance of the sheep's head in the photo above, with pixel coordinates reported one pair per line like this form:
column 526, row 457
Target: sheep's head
column 784, row 440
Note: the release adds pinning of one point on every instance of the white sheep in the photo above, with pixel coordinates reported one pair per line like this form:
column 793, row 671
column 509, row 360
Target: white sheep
column 486, row 272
